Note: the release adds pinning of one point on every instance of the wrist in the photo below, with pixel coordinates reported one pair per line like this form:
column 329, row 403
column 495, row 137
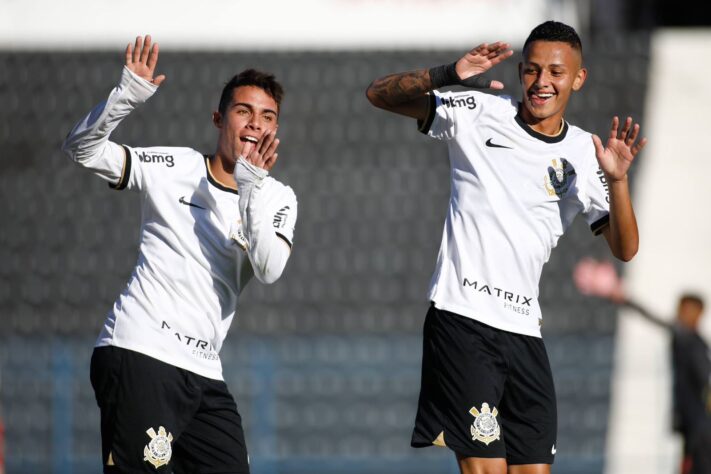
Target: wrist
column 245, row 172
column 445, row 75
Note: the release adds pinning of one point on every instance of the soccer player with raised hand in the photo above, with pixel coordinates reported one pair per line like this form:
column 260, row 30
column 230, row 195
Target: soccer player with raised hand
column 209, row 224
column 520, row 175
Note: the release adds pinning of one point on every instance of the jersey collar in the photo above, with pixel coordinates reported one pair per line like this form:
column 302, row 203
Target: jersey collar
column 211, row 179
column 538, row 135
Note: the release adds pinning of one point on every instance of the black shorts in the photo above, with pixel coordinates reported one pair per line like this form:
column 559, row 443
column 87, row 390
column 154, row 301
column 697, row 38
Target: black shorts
column 159, row 418
column 485, row 392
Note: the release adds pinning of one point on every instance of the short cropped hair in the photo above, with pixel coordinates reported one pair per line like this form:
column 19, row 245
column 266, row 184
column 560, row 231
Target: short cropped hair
column 692, row 298
column 251, row 77
column 555, row 31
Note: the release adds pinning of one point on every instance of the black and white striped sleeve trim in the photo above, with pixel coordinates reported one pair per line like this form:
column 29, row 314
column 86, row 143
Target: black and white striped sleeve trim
column 125, row 173
column 423, row 126
column 599, row 225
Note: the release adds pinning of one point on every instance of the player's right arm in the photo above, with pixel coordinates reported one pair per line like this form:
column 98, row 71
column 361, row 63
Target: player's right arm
column 88, row 143
column 406, row 93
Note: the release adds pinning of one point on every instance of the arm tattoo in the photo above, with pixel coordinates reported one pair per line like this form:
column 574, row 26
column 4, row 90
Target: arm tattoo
column 396, row 89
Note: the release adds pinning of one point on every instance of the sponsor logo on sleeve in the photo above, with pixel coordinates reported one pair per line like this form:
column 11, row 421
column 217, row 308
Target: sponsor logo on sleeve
column 156, row 157
column 603, row 182
column 467, row 101
column 280, row 217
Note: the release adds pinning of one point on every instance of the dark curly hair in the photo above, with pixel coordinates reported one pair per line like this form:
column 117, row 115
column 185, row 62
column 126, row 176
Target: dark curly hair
column 554, row 31
column 251, row 77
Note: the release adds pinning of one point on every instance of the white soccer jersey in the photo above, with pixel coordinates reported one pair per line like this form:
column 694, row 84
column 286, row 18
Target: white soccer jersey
column 514, row 192
column 196, row 251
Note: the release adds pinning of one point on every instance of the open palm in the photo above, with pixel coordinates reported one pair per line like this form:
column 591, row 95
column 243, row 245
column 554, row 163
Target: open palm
column 141, row 59
column 616, row 157
column 481, row 59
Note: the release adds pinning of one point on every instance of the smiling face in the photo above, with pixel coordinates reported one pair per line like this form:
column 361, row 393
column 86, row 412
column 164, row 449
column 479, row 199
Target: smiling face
column 249, row 115
column 551, row 71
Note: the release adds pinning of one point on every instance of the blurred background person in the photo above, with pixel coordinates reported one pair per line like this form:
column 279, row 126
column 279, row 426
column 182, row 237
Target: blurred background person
column 690, row 359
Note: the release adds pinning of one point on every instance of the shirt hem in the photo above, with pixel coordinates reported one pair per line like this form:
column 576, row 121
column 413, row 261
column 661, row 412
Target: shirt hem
column 468, row 313
column 161, row 357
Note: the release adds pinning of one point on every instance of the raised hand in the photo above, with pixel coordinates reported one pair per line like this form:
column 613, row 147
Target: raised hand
column 142, row 58
column 616, row 157
column 599, row 279
column 262, row 154
column 481, row 59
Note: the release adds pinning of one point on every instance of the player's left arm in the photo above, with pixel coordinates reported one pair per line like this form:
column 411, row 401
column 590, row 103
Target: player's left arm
column 615, row 159
column 268, row 210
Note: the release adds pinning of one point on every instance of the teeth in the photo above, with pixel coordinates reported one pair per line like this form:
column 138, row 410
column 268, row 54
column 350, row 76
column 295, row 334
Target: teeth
column 544, row 96
column 249, row 139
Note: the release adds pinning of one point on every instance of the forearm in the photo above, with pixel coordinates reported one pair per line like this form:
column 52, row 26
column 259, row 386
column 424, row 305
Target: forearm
column 622, row 234
column 646, row 314
column 268, row 253
column 398, row 89
column 88, row 142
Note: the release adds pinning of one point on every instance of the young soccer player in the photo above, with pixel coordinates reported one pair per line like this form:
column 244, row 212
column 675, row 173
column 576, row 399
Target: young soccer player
column 520, row 174
column 209, row 224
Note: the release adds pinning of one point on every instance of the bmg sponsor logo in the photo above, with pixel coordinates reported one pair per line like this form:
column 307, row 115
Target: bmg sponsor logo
column 460, row 101
column 164, row 158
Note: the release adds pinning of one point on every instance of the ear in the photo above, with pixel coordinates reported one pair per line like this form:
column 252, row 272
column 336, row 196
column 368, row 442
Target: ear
column 579, row 80
column 217, row 119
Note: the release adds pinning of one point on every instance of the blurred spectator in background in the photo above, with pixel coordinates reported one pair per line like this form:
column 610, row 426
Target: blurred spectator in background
column 691, row 359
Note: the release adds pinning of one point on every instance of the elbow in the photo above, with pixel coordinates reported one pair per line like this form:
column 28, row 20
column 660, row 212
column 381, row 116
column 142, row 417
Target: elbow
column 373, row 97
column 269, row 276
column 627, row 254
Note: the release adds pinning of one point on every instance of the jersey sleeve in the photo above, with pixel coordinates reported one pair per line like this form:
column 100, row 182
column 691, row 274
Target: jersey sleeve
column 596, row 198
column 88, row 143
column 447, row 111
column 268, row 211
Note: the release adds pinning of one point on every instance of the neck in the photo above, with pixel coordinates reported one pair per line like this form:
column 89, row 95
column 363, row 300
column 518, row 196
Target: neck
column 551, row 126
column 221, row 170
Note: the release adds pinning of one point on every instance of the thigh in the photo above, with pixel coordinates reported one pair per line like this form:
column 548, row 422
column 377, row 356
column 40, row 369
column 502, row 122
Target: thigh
column 463, row 381
column 145, row 406
column 528, row 407
column 214, row 441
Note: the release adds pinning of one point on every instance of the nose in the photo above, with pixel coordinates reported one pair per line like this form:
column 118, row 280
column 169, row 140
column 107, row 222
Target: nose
column 542, row 78
column 254, row 122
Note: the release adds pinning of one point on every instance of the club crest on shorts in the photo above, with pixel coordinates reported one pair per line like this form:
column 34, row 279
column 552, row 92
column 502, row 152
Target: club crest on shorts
column 485, row 428
column 158, row 451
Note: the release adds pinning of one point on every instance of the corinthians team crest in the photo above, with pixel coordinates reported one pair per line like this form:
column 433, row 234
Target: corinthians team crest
column 559, row 178
column 485, row 428
column 158, row 450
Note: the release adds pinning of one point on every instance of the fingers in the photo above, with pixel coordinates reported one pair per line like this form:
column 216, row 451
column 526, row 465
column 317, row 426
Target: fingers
column 137, row 49
column 270, row 162
column 614, row 127
column 638, row 147
column 151, row 57
column 145, row 50
column 263, row 153
column 628, row 134
column 497, row 85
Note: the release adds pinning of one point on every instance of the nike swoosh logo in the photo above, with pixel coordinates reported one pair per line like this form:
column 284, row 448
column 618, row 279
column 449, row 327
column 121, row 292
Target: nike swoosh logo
column 553, row 450
column 188, row 203
column 491, row 144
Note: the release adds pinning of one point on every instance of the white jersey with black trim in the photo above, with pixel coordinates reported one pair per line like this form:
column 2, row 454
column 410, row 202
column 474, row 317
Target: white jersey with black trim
column 514, row 192
column 196, row 254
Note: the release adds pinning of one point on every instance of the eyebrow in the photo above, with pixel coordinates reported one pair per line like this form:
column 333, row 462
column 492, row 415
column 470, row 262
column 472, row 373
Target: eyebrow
column 250, row 106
